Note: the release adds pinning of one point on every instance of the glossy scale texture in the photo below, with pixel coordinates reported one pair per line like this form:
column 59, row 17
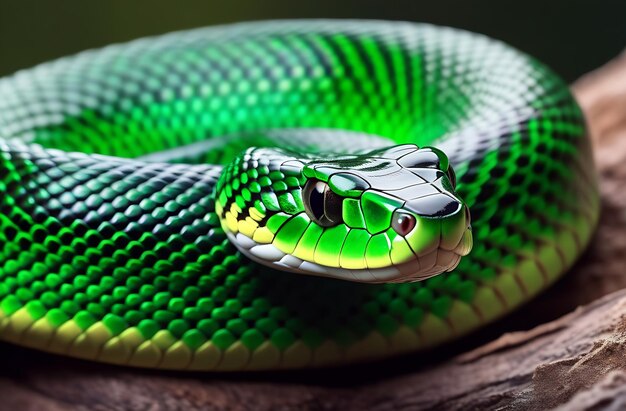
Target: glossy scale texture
column 331, row 215
column 124, row 260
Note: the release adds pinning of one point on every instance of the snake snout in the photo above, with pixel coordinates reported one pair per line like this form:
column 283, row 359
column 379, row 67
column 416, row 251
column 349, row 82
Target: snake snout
column 442, row 225
column 437, row 205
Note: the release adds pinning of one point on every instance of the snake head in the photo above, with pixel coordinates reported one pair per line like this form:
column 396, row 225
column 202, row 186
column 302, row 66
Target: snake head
column 388, row 215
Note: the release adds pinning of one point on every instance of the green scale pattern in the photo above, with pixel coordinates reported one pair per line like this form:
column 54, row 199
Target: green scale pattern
column 92, row 235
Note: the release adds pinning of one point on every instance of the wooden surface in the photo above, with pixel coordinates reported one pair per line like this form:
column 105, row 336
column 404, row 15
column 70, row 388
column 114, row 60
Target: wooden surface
column 570, row 360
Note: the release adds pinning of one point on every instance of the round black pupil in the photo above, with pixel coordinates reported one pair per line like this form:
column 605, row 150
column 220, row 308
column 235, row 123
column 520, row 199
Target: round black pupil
column 322, row 204
column 316, row 200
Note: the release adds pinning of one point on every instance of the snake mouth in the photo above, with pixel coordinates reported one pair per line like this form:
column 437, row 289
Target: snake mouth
column 419, row 268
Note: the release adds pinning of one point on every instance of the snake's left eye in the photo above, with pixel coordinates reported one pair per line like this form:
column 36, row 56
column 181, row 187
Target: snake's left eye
column 452, row 176
column 403, row 223
column 322, row 205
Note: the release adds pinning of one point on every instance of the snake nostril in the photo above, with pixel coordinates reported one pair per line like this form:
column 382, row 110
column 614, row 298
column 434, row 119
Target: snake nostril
column 403, row 223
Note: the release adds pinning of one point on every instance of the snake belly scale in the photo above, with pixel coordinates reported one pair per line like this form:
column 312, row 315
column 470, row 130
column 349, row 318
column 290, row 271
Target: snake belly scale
column 165, row 201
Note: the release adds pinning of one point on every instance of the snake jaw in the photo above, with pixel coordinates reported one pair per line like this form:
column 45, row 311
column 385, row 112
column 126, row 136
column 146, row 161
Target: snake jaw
column 419, row 268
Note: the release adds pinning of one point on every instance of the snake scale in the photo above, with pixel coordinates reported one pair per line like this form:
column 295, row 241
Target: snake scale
column 265, row 195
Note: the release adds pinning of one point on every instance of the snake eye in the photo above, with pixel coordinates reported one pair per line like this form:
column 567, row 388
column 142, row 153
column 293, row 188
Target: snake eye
column 402, row 223
column 452, row 176
column 322, row 205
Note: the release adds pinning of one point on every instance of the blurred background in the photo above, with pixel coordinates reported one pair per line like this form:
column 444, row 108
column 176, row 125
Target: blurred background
column 572, row 36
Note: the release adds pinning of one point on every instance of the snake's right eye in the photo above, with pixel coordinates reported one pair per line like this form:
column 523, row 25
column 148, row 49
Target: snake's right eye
column 322, row 205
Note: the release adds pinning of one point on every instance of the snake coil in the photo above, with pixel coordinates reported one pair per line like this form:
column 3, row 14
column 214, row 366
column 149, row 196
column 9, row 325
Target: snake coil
column 161, row 199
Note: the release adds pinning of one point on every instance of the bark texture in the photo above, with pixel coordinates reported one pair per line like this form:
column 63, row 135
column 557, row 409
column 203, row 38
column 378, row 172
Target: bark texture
column 568, row 357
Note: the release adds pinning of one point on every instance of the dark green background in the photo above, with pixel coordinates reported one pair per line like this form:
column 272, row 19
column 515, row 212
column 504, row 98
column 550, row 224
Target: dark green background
column 571, row 36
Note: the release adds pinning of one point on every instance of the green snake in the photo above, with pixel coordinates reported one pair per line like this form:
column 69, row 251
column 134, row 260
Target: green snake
column 266, row 195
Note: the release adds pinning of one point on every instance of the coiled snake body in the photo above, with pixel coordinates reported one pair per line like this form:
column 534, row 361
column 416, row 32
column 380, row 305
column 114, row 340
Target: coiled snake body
column 178, row 201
